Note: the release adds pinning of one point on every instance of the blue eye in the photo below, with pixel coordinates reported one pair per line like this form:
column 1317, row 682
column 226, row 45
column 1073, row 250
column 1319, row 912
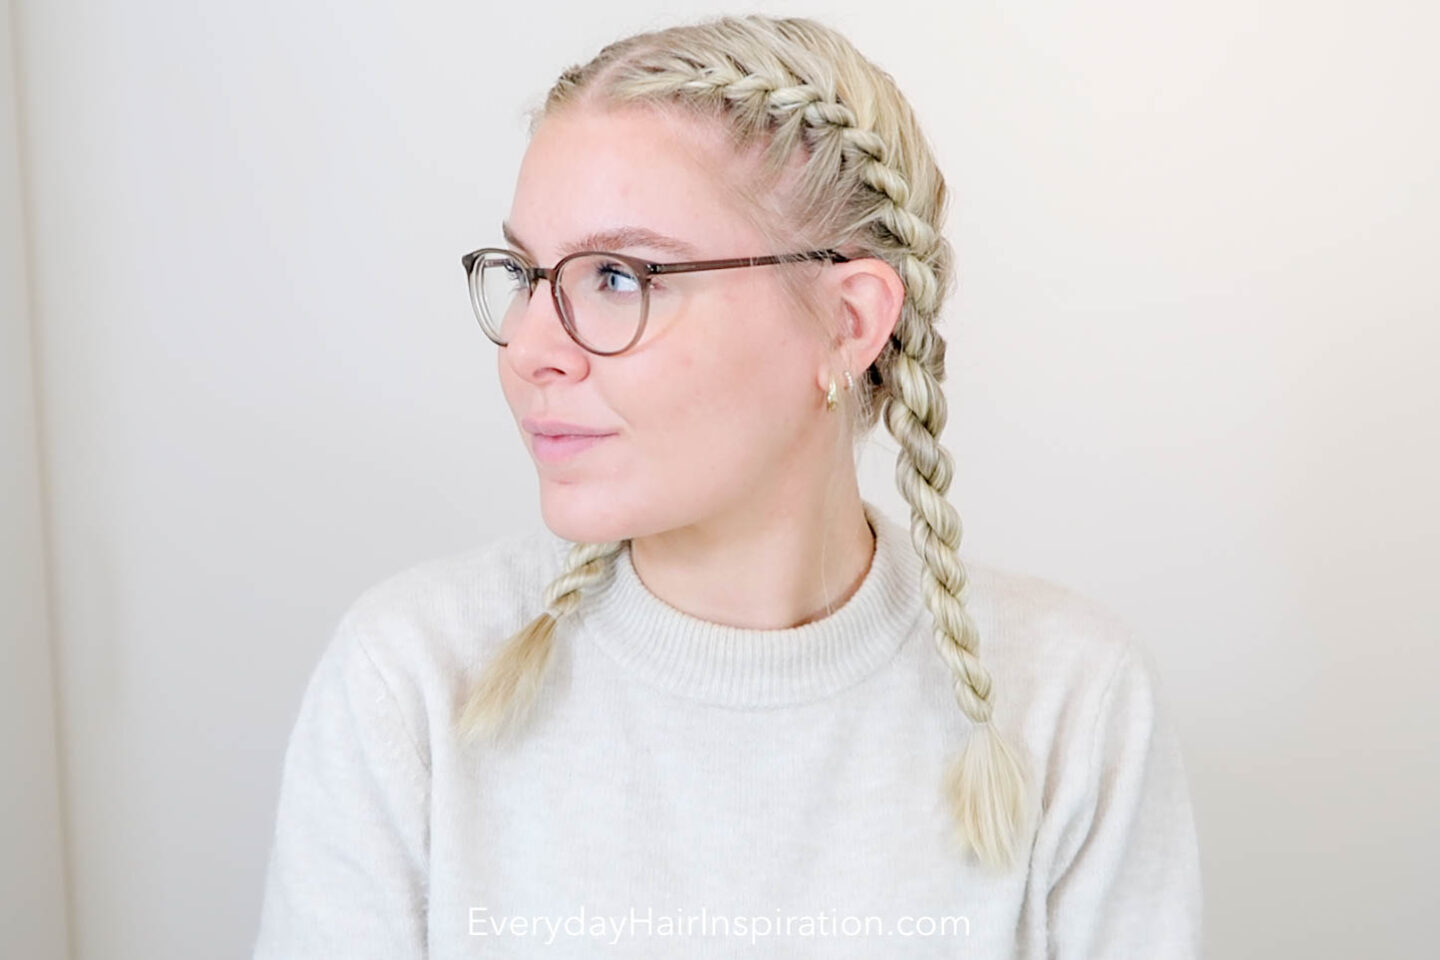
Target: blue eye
column 516, row 274
column 617, row 278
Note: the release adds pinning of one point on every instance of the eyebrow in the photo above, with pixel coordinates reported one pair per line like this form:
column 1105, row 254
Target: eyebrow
column 613, row 240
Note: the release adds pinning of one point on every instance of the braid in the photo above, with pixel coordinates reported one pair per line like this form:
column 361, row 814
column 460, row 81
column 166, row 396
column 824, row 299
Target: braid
column 986, row 785
column 793, row 87
column 507, row 690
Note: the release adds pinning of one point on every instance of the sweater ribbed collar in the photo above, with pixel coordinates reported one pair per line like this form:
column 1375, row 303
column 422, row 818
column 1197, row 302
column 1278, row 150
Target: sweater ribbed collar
column 738, row 667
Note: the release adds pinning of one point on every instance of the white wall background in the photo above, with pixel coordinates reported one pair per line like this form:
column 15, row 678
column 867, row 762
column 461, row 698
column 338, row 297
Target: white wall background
column 1193, row 364
column 32, row 891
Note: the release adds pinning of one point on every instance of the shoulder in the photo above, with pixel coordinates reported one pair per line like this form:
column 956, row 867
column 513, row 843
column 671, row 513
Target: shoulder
column 468, row 598
column 1042, row 615
column 422, row 630
column 486, row 579
column 1055, row 650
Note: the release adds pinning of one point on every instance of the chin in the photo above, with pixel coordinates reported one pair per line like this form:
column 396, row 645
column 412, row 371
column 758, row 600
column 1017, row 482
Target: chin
column 582, row 516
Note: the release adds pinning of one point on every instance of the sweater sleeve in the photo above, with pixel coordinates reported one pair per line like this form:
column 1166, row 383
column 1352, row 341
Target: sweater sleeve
column 347, row 873
column 1132, row 887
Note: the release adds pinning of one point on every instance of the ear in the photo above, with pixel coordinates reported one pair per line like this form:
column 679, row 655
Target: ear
column 867, row 296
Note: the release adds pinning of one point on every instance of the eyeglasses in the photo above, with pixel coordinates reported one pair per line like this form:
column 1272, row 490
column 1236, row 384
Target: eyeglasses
column 603, row 299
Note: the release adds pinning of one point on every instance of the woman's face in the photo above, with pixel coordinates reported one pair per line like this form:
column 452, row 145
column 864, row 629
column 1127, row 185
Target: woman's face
column 713, row 414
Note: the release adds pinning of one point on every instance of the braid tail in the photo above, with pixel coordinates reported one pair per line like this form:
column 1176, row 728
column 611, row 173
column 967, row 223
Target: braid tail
column 507, row 690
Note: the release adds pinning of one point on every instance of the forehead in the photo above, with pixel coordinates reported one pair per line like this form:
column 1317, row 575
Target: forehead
column 589, row 169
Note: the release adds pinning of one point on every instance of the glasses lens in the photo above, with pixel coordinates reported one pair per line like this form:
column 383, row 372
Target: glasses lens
column 499, row 290
column 605, row 298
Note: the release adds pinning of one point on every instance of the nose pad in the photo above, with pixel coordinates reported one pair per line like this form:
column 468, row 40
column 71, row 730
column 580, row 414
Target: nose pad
column 565, row 307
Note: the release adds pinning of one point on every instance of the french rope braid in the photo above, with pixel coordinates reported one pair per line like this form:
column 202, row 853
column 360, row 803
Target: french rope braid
column 787, row 83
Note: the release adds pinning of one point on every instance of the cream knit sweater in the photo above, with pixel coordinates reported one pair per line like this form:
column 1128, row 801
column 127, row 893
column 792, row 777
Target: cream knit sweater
column 690, row 789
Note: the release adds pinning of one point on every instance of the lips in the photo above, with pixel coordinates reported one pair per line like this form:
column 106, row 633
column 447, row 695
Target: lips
column 560, row 428
column 556, row 449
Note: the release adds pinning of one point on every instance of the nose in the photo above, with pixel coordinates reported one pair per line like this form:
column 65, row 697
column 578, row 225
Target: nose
column 539, row 348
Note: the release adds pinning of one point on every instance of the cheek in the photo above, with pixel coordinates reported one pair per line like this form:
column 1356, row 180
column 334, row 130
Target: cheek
column 509, row 383
column 729, row 390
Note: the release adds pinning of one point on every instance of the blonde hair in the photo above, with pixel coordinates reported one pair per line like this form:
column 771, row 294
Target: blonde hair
column 794, row 88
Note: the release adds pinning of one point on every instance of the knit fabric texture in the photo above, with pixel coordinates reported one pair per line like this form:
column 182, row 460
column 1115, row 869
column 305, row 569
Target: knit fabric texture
column 689, row 789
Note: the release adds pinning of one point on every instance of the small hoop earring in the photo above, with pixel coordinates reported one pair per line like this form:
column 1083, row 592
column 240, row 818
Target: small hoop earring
column 832, row 395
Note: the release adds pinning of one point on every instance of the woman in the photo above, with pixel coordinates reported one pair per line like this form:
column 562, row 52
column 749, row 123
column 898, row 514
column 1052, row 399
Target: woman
column 702, row 710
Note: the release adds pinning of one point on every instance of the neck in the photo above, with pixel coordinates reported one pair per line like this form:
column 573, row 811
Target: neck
column 763, row 565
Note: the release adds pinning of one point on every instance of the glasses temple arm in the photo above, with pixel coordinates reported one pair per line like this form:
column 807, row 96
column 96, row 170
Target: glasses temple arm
column 833, row 256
